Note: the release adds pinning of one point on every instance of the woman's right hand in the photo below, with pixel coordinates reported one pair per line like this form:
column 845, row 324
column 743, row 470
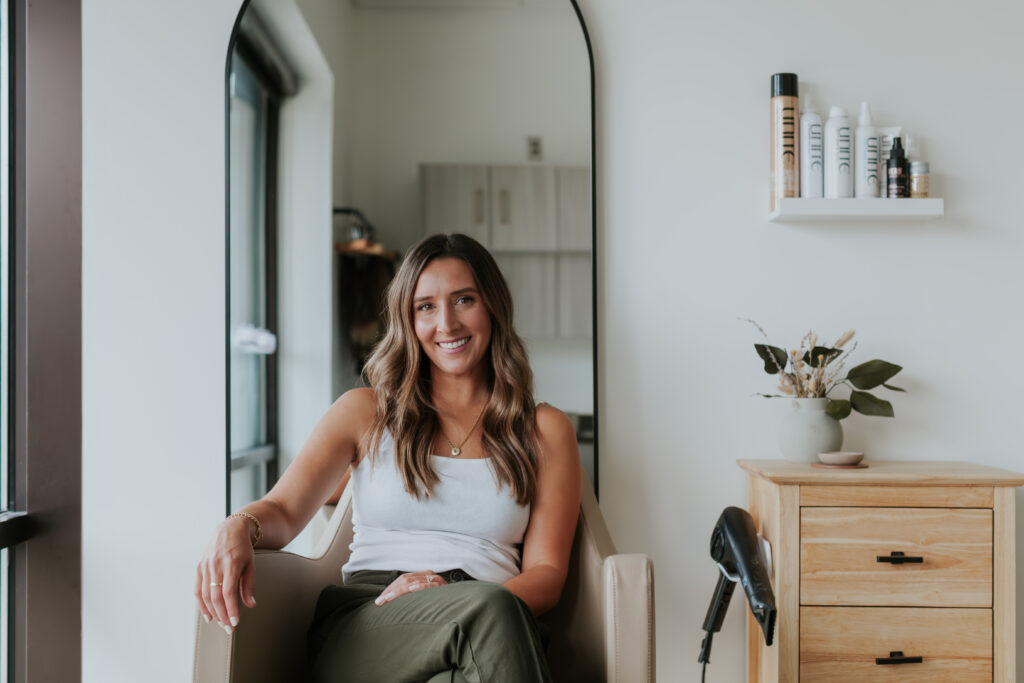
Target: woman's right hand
column 226, row 571
column 228, row 561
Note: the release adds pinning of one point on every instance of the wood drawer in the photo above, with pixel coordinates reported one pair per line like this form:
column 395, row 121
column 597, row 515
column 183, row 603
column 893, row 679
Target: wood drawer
column 839, row 548
column 840, row 644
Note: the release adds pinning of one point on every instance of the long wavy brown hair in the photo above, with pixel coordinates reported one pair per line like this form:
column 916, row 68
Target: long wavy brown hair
column 399, row 373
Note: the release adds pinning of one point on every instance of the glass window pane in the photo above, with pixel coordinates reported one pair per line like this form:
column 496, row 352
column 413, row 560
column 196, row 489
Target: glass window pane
column 248, row 257
column 251, row 341
column 248, row 484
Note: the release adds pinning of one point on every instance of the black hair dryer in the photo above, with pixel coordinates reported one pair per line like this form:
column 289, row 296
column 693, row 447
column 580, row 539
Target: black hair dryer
column 736, row 548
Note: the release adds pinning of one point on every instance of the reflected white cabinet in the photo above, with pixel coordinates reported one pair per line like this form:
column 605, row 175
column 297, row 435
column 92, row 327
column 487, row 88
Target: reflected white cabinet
column 575, row 286
column 536, row 220
column 532, row 280
column 455, row 198
column 575, row 228
column 524, row 208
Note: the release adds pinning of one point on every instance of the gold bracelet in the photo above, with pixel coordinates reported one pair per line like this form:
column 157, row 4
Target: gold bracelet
column 259, row 527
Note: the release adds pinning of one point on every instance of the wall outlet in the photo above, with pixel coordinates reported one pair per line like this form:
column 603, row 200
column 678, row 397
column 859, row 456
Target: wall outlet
column 534, row 148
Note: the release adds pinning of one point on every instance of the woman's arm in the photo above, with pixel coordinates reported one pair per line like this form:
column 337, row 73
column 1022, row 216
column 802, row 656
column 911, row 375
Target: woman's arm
column 311, row 478
column 284, row 511
column 553, row 514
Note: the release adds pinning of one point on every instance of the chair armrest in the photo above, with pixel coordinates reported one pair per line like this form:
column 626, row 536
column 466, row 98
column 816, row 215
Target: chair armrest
column 629, row 618
column 602, row 629
column 269, row 643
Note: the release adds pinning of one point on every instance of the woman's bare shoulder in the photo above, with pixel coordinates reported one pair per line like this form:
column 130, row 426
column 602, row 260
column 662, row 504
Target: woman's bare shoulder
column 360, row 397
column 554, row 426
column 355, row 410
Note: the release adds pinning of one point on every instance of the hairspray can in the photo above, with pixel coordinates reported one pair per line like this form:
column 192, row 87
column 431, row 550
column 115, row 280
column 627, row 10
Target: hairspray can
column 785, row 143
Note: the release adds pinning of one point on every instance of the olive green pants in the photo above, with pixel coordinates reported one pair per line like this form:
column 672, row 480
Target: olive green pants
column 464, row 632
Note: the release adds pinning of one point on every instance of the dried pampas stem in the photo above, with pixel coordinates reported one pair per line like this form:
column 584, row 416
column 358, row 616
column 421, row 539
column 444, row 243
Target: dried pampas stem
column 845, row 338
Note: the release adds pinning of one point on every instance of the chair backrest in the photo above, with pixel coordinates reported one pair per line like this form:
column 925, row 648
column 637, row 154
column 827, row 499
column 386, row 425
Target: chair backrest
column 577, row 650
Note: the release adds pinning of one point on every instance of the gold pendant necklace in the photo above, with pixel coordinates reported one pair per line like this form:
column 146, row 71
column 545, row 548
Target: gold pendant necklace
column 457, row 450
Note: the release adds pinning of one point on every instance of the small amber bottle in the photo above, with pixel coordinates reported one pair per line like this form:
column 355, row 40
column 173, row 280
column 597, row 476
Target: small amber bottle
column 919, row 179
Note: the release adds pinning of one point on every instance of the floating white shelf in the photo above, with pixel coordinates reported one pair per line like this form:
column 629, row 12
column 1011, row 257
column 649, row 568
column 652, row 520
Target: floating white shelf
column 793, row 210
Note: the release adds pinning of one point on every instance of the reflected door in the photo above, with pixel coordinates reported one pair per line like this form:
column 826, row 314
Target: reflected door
column 252, row 341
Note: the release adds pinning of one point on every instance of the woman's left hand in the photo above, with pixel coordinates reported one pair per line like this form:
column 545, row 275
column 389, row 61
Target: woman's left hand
column 407, row 583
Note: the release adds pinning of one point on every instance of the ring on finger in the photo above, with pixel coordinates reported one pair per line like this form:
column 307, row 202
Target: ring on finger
column 216, row 584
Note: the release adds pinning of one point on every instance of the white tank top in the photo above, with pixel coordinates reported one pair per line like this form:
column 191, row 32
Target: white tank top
column 469, row 523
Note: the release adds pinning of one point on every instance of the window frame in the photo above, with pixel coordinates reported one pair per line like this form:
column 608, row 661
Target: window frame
column 266, row 74
column 43, row 529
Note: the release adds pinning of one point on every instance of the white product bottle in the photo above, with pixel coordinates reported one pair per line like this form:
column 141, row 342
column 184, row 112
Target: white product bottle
column 811, row 151
column 866, row 183
column 838, row 155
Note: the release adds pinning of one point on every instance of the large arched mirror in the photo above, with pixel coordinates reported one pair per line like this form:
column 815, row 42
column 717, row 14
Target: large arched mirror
column 354, row 129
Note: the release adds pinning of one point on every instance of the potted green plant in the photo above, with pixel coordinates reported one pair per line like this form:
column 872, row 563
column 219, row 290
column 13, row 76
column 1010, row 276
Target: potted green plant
column 808, row 375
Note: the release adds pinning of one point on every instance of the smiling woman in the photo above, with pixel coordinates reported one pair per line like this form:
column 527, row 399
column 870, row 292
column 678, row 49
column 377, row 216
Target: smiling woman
column 487, row 536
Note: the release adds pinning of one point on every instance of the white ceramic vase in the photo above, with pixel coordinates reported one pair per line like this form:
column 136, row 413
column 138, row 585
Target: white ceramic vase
column 807, row 430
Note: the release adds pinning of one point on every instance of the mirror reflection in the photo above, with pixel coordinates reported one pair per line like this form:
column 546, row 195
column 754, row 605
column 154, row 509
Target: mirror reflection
column 356, row 130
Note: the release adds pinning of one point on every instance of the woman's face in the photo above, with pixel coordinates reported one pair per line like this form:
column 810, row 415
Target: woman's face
column 451, row 321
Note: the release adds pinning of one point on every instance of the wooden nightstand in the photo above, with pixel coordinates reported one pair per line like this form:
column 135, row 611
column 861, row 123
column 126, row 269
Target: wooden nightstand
column 873, row 568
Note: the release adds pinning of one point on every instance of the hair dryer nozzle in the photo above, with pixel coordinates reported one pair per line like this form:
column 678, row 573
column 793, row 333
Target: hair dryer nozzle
column 766, row 617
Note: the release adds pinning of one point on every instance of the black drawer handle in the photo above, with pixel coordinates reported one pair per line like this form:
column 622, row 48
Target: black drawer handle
column 896, row 557
column 898, row 658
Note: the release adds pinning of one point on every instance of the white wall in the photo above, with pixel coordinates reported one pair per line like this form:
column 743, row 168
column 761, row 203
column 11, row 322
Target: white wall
column 331, row 24
column 684, row 248
column 153, row 324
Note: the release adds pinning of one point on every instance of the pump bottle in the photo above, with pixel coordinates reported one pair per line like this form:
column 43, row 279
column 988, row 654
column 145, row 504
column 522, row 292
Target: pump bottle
column 898, row 171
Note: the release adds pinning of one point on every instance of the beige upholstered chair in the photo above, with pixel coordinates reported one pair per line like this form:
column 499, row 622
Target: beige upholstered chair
column 601, row 630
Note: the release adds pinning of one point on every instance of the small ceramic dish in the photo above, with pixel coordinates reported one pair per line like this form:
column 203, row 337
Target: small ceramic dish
column 841, row 457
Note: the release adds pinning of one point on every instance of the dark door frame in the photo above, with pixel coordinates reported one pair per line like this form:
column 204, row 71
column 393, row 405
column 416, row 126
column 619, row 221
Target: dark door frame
column 46, row 341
